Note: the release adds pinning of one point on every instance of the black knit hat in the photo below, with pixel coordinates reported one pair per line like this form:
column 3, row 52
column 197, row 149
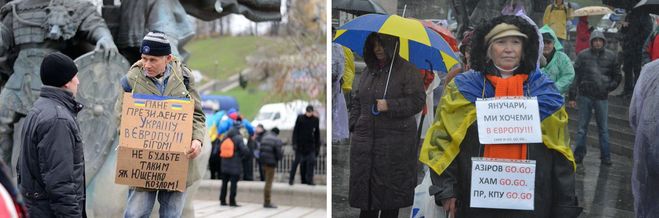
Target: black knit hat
column 155, row 44
column 57, row 69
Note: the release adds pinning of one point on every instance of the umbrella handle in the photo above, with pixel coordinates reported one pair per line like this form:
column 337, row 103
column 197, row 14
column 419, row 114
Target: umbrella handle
column 374, row 110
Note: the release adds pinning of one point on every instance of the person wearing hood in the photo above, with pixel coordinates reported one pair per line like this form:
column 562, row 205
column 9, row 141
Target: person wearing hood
column 232, row 166
column 51, row 166
column 597, row 74
column 504, row 63
column 383, row 146
column 643, row 118
column 559, row 66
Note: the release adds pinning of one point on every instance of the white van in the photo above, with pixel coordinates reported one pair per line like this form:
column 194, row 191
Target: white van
column 283, row 115
column 275, row 115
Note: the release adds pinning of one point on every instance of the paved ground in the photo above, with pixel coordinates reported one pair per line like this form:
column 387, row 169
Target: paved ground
column 602, row 191
column 212, row 209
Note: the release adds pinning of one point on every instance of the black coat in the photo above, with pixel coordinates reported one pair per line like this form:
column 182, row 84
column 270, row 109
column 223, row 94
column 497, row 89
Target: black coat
column 51, row 167
column 233, row 166
column 270, row 150
column 383, row 154
column 554, row 182
column 306, row 134
column 597, row 72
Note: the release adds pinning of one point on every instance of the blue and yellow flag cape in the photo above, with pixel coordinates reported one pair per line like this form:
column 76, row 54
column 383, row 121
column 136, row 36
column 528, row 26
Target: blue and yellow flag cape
column 457, row 111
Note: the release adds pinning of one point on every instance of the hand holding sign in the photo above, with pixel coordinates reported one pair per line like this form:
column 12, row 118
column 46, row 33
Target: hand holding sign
column 195, row 149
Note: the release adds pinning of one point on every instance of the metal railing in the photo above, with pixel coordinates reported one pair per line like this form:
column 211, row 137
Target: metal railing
column 282, row 172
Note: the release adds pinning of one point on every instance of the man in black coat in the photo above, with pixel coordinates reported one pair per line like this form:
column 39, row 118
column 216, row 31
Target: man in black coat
column 306, row 142
column 51, row 167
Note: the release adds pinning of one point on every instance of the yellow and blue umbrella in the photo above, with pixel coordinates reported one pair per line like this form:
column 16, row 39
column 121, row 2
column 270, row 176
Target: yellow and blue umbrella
column 418, row 44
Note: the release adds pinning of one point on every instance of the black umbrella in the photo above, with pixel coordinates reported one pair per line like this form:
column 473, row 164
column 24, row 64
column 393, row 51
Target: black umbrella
column 650, row 6
column 358, row 7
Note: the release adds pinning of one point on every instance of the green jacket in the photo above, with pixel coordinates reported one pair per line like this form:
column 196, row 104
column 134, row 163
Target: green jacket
column 559, row 68
column 139, row 83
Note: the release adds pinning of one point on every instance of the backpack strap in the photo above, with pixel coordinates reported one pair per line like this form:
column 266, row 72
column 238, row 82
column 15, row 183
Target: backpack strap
column 125, row 85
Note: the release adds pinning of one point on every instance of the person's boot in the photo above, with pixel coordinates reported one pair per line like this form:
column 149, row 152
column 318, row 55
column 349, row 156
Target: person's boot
column 269, row 205
column 607, row 162
column 223, row 203
column 233, row 203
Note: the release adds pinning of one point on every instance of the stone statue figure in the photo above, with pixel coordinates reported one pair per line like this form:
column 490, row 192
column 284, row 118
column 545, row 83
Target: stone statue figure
column 470, row 13
column 30, row 30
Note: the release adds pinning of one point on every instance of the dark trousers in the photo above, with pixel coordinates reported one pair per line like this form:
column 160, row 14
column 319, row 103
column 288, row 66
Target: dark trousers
column 269, row 176
column 261, row 171
column 303, row 168
column 632, row 69
column 248, row 169
column 309, row 160
column 378, row 213
column 234, row 187
column 215, row 165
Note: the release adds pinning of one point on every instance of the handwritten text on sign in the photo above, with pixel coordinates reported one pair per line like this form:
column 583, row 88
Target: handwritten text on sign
column 155, row 133
column 512, row 120
column 502, row 184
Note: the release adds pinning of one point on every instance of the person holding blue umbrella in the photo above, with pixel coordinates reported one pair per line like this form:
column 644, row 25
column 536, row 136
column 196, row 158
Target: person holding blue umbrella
column 390, row 92
column 383, row 153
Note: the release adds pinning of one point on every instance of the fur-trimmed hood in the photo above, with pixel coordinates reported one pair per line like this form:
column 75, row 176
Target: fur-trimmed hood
column 530, row 54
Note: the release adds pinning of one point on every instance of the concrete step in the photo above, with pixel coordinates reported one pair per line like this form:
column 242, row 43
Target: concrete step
column 621, row 136
column 615, row 100
column 282, row 193
column 623, row 133
column 614, row 120
column 616, row 146
column 212, row 209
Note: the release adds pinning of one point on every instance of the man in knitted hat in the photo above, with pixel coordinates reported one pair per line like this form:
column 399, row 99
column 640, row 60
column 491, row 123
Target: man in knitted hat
column 160, row 73
column 51, row 164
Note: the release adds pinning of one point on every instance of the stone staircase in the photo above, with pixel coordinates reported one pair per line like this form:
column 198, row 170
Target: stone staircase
column 621, row 136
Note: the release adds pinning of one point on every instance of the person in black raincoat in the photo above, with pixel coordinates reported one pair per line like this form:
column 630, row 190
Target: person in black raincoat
column 383, row 153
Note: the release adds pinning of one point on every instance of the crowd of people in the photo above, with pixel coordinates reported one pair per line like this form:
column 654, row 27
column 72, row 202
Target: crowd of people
column 255, row 146
column 509, row 55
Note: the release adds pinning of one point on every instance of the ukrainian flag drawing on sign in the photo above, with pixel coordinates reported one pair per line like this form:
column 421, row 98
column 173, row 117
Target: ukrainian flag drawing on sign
column 139, row 102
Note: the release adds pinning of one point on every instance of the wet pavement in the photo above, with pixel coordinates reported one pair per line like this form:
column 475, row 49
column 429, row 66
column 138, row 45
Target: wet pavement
column 212, row 209
column 602, row 191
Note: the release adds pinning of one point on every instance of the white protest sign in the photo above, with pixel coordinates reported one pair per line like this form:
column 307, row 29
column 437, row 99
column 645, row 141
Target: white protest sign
column 502, row 183
column 508, row 120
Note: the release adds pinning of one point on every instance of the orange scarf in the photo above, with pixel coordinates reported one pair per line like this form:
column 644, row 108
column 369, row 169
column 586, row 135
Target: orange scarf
column 511, row 86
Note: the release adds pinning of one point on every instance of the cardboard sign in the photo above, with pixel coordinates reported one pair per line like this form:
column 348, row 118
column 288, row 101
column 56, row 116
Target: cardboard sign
column 155, row 132
column 502, row 183
column 508, row 120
